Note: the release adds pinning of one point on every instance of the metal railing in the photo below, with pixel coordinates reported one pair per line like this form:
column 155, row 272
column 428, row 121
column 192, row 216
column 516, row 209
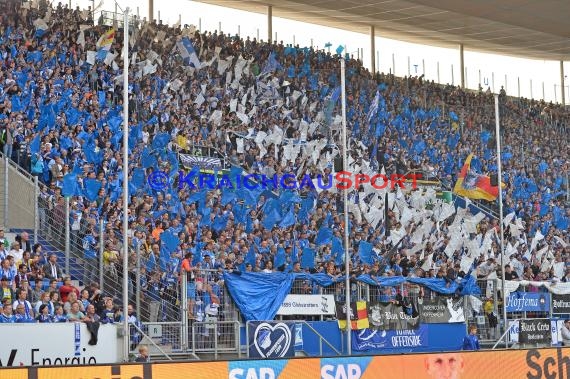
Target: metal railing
column 19, row 192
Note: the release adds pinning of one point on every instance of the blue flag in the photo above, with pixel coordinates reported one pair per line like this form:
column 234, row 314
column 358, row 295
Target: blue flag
column 70, row 186
column 324, row 236
column 250, row 256
column 308, row 258
column 288, row 220
column 35, row 144
column 92, row 187
column 280, row 258
column 151, row 262
column 170, row 241
column 160, row 141
column 365, row 252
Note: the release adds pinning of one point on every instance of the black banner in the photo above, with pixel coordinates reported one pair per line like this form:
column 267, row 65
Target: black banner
column 535, row 331
column 441, row 310
column 561, row 304
column 389, row 316
column 271, row 340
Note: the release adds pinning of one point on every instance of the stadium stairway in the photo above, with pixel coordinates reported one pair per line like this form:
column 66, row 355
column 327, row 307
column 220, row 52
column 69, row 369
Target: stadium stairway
column 75, row 267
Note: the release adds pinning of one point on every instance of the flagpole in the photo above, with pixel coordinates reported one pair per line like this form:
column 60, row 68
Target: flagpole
column 345, row 195
column 126, row 338
column 499, row 183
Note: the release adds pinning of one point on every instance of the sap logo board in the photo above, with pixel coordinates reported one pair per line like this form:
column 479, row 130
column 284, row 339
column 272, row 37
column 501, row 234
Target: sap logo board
column 252, row 373
column 266, row 369
column 271, row 340
column 344, row 368
column 349, row 371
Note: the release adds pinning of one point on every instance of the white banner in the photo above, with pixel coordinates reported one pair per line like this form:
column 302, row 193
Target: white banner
column 57, row 344
column 312, row 305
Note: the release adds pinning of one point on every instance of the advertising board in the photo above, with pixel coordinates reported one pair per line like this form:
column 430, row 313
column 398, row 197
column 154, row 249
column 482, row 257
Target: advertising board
column 57, row 344
column 514, row 364
column 310, row 305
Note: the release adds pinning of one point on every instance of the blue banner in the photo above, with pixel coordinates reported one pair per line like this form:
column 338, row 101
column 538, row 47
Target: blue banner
column 528, row 302
column 259, row 295
column 369, row 339
column 271, row 340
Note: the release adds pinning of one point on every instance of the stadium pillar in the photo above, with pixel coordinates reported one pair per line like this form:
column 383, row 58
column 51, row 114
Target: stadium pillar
column 462, row 65
column 563, row 95
column 269, row 23
column 126, row 339
column 150, row 10
column 345, row 201
column 372, row 50
column 502, row 233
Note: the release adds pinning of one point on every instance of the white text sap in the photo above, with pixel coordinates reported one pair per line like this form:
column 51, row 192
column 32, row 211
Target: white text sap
column 349, row 371
column 264, row 373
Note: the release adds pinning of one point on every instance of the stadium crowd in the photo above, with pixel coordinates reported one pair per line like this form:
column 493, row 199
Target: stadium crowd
column 266, row 108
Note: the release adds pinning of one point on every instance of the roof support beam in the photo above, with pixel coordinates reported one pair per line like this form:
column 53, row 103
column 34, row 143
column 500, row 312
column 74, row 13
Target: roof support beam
column 462, row 65
column 563, row 97
column 372, row 50
column 269, row 23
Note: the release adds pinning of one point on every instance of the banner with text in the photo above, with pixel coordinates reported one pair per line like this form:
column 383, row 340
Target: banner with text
column 389, row 316
column 368, row 339
column 57, row 344
column 535, row 331
column 311, row 305
column 555, row 331
column 513, row 364
column 560, row 304
column 441, row 310
column 271, row 340
column 528, row 302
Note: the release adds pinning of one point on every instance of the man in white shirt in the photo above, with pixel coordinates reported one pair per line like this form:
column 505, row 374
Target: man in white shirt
column 16, row 252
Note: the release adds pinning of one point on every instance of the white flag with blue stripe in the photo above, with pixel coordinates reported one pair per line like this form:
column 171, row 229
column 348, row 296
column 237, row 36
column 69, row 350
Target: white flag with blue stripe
column 188, row 53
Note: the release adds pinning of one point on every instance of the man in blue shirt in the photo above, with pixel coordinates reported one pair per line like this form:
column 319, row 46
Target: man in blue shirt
column 471, row 341
column 90, row 270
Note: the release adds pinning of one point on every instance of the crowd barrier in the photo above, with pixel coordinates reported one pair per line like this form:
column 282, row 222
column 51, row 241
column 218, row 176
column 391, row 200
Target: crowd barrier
column 499, row 364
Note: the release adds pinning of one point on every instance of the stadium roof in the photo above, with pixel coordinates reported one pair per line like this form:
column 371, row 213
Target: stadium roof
column 524, row 28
